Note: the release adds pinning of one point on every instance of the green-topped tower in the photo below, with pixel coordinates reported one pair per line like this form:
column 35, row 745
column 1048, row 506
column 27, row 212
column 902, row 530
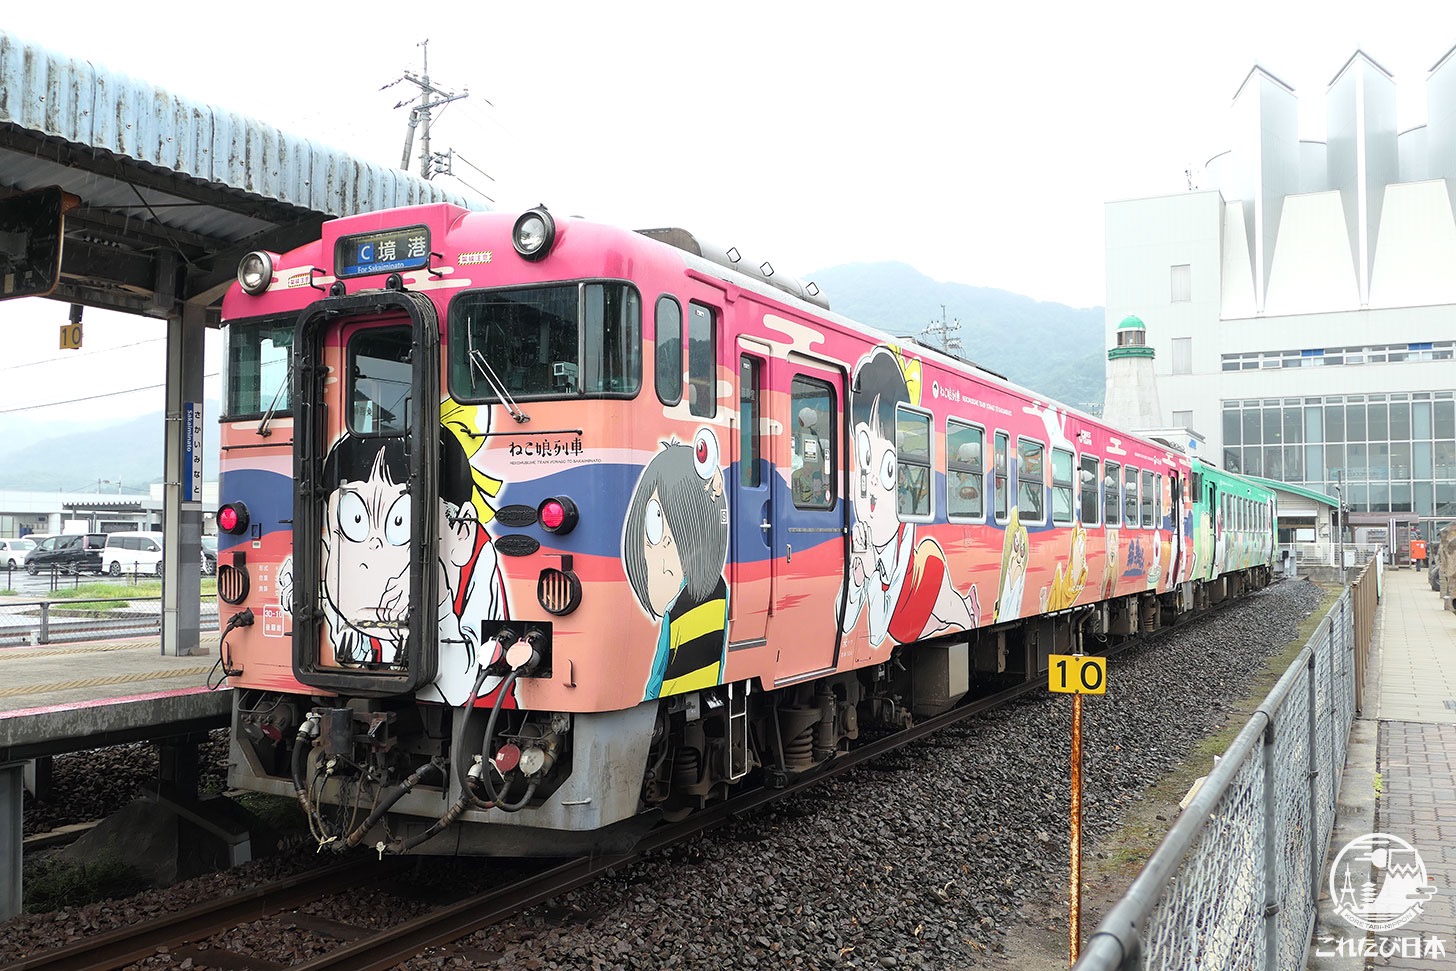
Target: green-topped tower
column 1132, row 390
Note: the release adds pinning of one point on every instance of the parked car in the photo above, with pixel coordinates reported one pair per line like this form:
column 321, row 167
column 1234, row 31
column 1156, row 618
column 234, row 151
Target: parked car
column 209, row 556
column 73, row 553
column 12, row 552
column 132, row 552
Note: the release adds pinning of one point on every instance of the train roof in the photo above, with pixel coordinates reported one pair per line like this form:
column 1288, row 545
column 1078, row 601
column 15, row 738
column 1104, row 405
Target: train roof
column 806, row 295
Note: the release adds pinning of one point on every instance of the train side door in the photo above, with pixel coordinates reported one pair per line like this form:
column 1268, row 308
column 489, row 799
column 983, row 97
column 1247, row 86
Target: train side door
column 752, row 506
column 809, row 524
column 1175, row 489
column 366, row 512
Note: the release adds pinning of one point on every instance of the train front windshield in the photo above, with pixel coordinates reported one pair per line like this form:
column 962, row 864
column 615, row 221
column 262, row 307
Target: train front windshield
column 576, row 340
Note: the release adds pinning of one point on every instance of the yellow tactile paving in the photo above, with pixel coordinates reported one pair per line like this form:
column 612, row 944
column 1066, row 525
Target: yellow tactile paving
column 130, row 678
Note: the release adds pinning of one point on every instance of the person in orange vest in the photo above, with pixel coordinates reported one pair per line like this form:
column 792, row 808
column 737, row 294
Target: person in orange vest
column 1418, row 553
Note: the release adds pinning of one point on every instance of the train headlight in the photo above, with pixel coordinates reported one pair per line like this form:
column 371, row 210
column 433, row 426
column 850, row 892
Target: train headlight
column 233, row 518
column 557, row 515
column 534, row 233
column 255, row 272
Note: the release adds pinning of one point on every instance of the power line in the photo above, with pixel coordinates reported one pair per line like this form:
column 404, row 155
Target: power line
column 93, row 397
column 76, row 354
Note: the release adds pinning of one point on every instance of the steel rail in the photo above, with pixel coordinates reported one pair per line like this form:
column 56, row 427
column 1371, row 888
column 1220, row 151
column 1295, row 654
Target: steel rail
column 117, row 948
column 390, row 946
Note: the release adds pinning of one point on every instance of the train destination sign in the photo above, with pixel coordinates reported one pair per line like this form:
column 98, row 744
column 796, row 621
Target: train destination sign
column 387, row 251
column 1077, row 674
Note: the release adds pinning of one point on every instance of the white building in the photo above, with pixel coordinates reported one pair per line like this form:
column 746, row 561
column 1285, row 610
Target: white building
column 1302, row 302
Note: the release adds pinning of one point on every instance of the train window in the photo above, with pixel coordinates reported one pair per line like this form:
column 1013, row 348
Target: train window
column 1130, row 496
column 380, row 381
column 669, row 371
column 1147, row 504
column 912, row 457
column 257, row 366
column 965, row 472
column 1111, row 506
column 1030, row 480
column 1158, row 501
column 556, row 341
column 1061, row 486
column 1087, row 482
column 814, row 480
column 702, row 361
column 999, row 486
column 612, row 349
column 750, row 440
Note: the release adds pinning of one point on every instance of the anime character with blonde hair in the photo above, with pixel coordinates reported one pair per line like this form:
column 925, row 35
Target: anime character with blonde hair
column 1070, row 577
column 1015, row 556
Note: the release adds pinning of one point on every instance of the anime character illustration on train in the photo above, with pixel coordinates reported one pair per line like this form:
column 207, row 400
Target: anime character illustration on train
column 365, row 577
column 1015, row 554
column 905, row 586
column 674, row 548
column 1070, row 577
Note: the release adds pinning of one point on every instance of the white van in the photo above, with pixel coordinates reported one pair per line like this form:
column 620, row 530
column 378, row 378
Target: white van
column 138, row 552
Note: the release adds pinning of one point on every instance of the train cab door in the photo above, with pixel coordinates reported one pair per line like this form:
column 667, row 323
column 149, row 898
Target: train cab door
column 809, row 525
column 366, row 509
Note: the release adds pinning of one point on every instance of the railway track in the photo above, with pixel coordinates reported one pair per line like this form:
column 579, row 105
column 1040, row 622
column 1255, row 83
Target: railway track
column 443, row 926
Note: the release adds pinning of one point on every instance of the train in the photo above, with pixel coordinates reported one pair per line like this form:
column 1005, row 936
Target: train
column 535, row 532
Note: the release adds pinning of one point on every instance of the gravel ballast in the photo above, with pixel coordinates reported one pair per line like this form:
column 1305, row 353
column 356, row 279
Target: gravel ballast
column 930, row 857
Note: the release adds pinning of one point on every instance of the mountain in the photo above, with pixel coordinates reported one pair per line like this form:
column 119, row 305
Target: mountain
column 127, row 455
column 1050, row 348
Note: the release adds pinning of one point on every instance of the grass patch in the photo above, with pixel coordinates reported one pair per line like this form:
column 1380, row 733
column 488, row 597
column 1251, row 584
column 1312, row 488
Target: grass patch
column 1124, row 852
column 279, row 813
column 122, row 589
column 56, row 885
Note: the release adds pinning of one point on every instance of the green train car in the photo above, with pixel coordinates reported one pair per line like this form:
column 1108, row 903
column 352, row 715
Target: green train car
column 1235, row 525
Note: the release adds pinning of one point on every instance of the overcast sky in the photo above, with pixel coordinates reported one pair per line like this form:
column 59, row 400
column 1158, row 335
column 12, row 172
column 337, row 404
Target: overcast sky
column 977, row 143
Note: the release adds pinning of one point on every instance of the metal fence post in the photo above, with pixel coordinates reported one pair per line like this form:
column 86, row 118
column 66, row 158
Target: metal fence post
column 1271, row 846
column 45, row 623
column 1316, row 803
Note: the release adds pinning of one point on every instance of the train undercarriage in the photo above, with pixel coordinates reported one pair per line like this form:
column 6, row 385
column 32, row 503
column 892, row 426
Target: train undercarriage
column 386, row 773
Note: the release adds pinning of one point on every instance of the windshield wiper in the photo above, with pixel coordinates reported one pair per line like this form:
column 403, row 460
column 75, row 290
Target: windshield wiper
column 486, row 371
column 263, row 430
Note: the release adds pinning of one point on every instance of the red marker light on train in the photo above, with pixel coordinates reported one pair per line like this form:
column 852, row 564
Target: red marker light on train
column 557, row 515
column 233, row 518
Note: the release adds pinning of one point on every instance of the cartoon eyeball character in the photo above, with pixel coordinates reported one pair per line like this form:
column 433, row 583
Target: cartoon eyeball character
column 706, row 462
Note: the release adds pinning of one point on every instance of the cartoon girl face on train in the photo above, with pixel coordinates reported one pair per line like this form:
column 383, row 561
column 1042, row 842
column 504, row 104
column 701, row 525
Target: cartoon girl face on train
column 674, row 548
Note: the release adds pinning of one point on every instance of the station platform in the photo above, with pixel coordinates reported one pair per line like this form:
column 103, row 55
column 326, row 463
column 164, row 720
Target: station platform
column 60, row 698
column 1399, row 780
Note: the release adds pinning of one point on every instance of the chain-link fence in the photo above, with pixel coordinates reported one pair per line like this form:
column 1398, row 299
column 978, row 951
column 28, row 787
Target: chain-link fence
column 84, row 619
column 1235, row 884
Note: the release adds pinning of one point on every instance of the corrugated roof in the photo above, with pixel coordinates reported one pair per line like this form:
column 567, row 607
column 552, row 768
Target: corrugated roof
column 1298, row 490
column 167, row 183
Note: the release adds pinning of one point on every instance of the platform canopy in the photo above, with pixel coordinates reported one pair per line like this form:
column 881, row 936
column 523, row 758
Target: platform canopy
column 171, row 192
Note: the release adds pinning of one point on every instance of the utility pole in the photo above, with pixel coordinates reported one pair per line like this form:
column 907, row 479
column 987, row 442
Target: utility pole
column 945, row 331
column 430, row 97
